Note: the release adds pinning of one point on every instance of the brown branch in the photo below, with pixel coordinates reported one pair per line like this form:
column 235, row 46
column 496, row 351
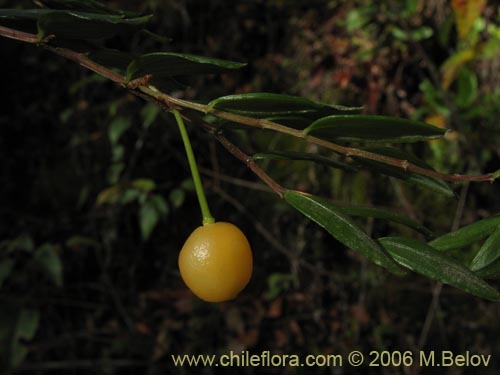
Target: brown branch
column 235, row 151
column 19, row 35
column 171, row 102
column 235, row 181
column 347, row 151
column 84, row 61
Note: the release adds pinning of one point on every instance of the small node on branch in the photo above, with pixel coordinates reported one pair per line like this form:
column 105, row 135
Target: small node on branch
column 46, row 39
column 405, row 165
column 141, row 81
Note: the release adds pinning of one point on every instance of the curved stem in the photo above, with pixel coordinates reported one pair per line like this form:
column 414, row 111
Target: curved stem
column 205, row 211
column 347, row 151
column 172, row 102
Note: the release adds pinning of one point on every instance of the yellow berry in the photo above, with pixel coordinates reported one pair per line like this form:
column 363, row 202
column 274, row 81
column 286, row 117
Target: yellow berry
column 216, row 262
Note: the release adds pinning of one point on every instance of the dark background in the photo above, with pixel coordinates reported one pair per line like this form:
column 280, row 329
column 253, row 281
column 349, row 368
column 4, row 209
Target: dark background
column 122, row 307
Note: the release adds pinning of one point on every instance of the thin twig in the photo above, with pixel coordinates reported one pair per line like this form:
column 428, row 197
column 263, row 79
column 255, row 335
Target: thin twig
column 347, row 151
column 234, row 180
column 173, row 102
column 268, row 236
column 235, row 151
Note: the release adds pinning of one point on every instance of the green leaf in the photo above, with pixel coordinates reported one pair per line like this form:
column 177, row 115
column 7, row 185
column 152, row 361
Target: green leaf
column 23, row 242
column 114, row 172
column 26, row 327
column 379, row 213
column 303, row 156
column 467, row 88
column 149, row 114
column 466, row 15
column 91, row 6
column 48, row 260
column 117, row 128
column 160, row 204
column 16, row 327
column 414, row 35
column 430, row 183
column 130, row 195
column 423, row 259
column 278, row 283
column 111, row 58
column 495, row 175
column 453, row 64
column 78, row 86
column 263, row 104
column 357, row 18
column 491, row 271
column 488, row 253
column 342, row 227
column 170, row 64
column 148, row 218
column 6, row 267
column 83, row 25
column 296, row 122
column 109, row 195
column 22, row 14
column 143, row 184
column 177, row 197
column 467, row 235
column 81, row 241
column 426, row 182
column 118, row 151
column 368, row 128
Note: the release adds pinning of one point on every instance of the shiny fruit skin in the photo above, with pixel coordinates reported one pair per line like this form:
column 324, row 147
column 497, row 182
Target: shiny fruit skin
column 216, row 262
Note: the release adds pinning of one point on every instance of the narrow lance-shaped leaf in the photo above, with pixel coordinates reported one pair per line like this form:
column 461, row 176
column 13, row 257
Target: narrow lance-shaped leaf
column 296, row 122
column 21, row 19
column 84, row 5
column 49, row 261
column 453, row 64
column 422, row 181
column 82, row 25
column 69, row 24
column 423, row 259
column 111, row 58
column 26, row 326
column 17, row 327
column 414, row 35
column 22, row 14
column 341, row 227
column 495, row 175
column 303, row 156
column 491, row 271
column 379, row 213
column 466, row 13
column 488, row 253
column 170, row 64
column 263, row 104
column 467, row 235
column 6, row 266
column 368, row 128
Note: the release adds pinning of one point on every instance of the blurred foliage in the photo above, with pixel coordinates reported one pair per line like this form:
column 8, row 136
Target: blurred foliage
column 96, row 198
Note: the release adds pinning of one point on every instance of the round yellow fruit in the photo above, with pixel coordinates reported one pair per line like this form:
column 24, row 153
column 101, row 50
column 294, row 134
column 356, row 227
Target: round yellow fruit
column 216, row 262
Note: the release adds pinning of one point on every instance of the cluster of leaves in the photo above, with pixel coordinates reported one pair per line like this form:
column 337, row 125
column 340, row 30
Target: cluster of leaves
column 321, row 120
column 21, row 267
column 80, row 24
